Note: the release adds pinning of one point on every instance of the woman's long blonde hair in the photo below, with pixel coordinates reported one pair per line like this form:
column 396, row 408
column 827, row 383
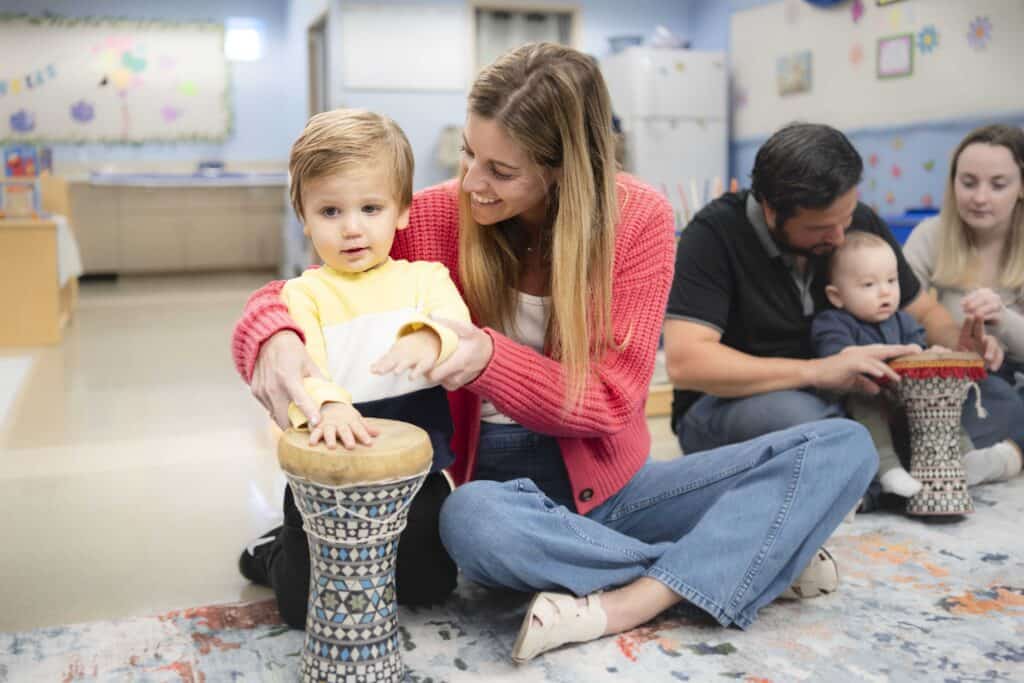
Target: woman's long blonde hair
column 956, row 263
column 553, row 102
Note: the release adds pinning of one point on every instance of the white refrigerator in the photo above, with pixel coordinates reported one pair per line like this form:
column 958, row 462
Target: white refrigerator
column 672, row 105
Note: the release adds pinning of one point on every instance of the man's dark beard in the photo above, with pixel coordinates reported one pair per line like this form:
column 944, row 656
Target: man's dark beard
column 781, row 240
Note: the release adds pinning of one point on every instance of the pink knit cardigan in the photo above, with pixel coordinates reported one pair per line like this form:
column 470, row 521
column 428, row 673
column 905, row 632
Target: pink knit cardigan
column 605, row 440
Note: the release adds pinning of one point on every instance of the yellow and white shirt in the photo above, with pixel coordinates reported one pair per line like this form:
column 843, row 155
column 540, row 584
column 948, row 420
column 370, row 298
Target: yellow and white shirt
column 351, row 319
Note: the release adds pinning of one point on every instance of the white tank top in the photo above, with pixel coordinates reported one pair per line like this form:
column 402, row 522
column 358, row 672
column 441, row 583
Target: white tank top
column 530, row 324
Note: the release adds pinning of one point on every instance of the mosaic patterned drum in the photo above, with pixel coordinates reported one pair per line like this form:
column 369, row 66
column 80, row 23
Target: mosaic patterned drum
column 354, row 505
column 932, row 390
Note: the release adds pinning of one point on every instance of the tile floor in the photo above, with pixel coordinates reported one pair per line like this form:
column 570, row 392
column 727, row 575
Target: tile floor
column 134, row 464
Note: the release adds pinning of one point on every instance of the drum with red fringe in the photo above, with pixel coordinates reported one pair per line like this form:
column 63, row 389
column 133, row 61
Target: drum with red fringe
column 932, row 389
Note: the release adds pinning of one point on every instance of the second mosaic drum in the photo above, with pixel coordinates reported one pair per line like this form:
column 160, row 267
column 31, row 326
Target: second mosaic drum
column 932, row 389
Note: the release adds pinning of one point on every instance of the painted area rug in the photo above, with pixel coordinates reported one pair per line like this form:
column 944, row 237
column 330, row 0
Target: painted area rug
column 917, row 602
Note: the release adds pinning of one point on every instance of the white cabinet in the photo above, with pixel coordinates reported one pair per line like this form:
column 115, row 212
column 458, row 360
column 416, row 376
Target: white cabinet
column 95, row 219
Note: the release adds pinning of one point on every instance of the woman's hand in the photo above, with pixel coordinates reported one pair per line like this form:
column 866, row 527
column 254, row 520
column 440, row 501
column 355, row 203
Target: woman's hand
column 471, row 356
column 984, row 304
column 973, row 338
column 277, row 378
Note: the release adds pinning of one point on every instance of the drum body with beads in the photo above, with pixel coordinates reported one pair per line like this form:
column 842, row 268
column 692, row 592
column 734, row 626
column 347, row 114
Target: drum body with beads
column 354, row 505
column 932, row 390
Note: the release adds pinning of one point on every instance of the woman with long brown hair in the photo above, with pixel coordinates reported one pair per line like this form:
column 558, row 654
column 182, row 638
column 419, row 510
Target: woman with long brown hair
column 972, row 253
column 566, row 264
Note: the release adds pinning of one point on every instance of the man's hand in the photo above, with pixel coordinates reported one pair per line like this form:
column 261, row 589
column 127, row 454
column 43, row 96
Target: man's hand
column 277, row 378
column 342, row 422
column 414, row 353
column 973, row 338
column 857, row 368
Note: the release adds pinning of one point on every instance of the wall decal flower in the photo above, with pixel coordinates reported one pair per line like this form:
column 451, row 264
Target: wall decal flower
column 927, row 39
column 856, row 54
column 23, row 121
column 980, row 33
column 82, row 111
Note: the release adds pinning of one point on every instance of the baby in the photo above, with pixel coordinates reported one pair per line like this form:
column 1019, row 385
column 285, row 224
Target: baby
column 864, row 287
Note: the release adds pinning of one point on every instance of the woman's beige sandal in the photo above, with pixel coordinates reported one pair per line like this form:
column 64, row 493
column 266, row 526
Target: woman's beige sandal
column 554, row 619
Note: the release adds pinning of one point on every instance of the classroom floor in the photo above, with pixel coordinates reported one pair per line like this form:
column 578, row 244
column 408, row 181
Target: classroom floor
column 134, row 463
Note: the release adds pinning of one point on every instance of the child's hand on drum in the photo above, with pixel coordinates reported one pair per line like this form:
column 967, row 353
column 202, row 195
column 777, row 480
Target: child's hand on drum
column 342, row 422
column 414, row 353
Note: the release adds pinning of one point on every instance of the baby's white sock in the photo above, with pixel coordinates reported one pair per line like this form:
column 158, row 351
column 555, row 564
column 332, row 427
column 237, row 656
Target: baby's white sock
column 898, row 481
column 995, row 463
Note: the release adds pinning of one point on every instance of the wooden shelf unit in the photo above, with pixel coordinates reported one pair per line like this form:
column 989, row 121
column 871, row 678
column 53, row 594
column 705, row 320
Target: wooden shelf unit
column 136, row 229
column 35, row 307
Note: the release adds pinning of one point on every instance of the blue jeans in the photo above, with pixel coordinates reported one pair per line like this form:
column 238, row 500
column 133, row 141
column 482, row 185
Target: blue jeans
column 713, row 422
column 727, row 530
column 1009, row 372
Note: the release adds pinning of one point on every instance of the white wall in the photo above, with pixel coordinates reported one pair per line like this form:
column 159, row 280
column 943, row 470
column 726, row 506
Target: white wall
column 953, row 80
column 423, row 114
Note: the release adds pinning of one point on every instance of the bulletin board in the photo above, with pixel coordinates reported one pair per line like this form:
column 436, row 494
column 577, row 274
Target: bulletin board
column 405, row 47
column 872, row 66
column 112, row 81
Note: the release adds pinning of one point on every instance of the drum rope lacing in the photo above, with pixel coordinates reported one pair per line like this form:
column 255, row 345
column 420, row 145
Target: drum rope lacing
column 343, row 511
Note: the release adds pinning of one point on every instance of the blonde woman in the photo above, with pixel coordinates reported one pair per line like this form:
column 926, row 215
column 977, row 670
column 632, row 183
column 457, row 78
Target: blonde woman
column 972, row 253
column 566, row 265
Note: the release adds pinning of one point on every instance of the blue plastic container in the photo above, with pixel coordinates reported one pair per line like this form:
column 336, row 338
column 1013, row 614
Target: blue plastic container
column 902, row 226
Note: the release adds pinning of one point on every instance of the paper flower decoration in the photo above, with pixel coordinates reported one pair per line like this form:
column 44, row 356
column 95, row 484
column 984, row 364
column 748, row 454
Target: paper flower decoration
column 82, row 111
column 873, row 160
column 927, row 39
column 927, row 200
column 22, row 121
column 980, row 33
column 792, row 11
column 896, row 171
column 170, row 113
column 929, row 165
column 857, row 10
column 132, row 62
column 856, row 54
column 890, row 198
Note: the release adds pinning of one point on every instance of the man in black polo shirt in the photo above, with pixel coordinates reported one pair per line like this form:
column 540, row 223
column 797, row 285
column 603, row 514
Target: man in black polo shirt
column 749, row 278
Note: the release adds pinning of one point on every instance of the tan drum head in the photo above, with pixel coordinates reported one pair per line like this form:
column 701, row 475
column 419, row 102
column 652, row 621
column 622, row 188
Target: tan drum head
column 402, row 450
column 937, row 359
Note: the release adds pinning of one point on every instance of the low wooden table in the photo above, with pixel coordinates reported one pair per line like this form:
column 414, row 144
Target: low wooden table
column 33, row 306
